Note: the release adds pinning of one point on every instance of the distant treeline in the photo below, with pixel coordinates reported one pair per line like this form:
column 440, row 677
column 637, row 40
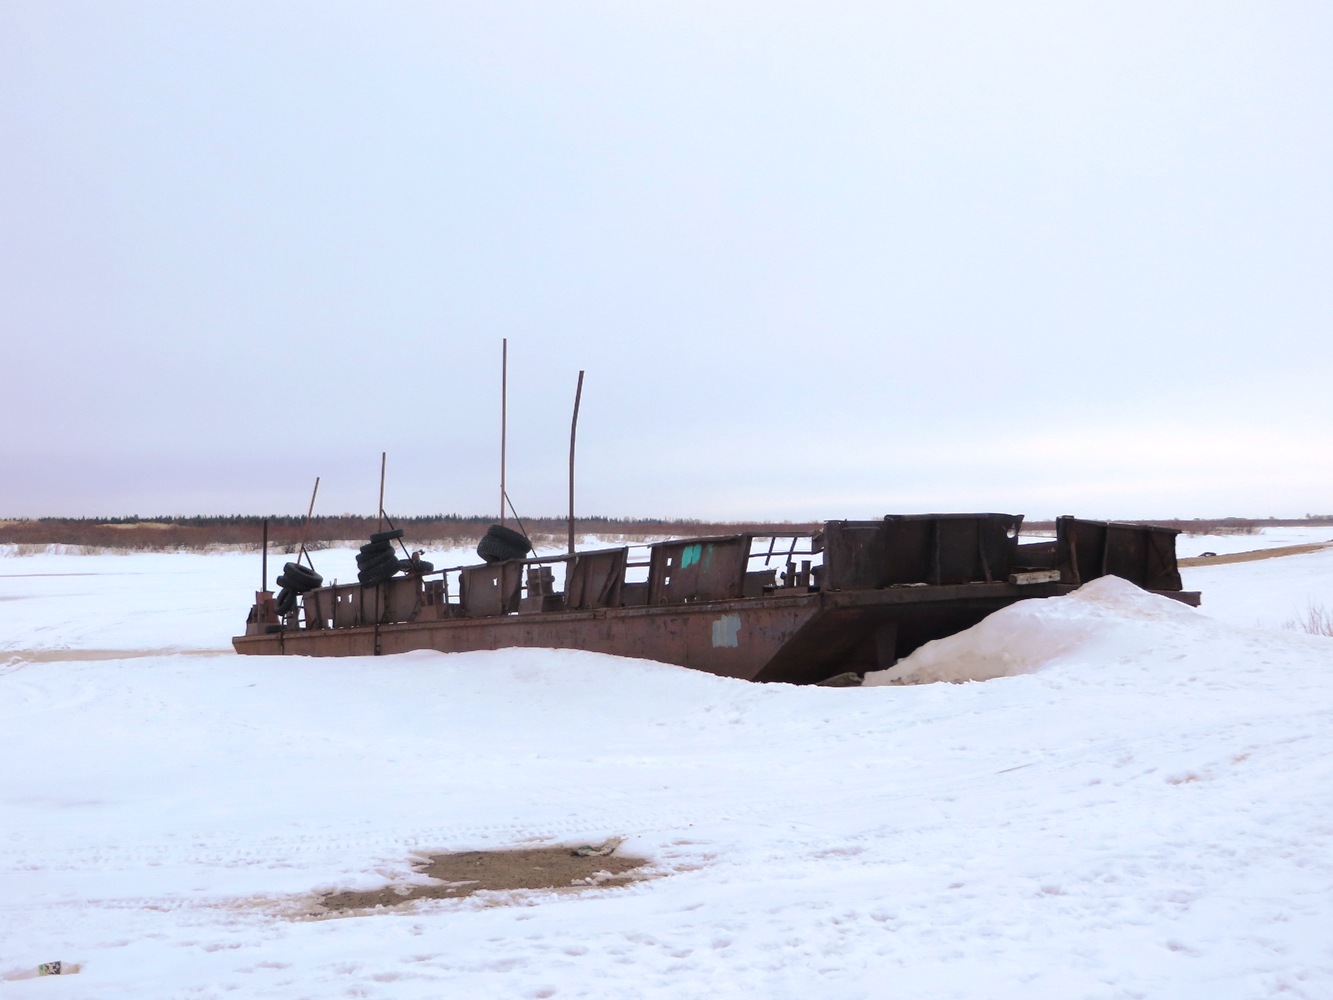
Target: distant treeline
column 285, row 532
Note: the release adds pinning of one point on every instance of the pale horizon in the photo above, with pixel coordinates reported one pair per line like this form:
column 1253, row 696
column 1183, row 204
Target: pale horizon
column 817, row 263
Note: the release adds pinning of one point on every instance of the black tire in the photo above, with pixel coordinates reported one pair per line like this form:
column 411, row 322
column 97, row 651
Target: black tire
column 387, row 536
column 379, row 565
column 420, row 568
column 373, row 557
column 493, row 550
column 300, row 578
column 286, row 602
column 377, row 575
column 287, row 583
column 373, row 548
column 514, row 539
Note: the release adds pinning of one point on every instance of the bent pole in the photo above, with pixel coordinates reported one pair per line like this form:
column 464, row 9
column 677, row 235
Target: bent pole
column 573, row 432
column 305, row 528
column 384, row 457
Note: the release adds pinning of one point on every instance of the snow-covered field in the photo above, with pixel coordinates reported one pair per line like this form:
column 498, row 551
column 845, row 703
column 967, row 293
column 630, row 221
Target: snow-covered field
column 1143, row 809
column 1266, row 538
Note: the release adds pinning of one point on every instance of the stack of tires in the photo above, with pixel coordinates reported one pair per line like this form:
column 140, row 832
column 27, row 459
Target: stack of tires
column 295, row 579
column 376, row 561
column 500, row 544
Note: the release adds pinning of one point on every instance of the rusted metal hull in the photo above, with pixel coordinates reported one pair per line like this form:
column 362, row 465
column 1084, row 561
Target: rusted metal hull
column 728, row 638
column 869, row 593
column 797, row 638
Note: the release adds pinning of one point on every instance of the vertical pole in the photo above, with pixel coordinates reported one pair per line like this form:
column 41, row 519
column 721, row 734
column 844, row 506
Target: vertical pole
column 264, row 587
column 379, row 591
column 504, row 402
column 305, row 528
column 573, row 431
column 383, row 460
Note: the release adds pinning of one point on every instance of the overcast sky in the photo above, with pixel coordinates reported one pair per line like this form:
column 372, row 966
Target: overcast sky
column 819, row 260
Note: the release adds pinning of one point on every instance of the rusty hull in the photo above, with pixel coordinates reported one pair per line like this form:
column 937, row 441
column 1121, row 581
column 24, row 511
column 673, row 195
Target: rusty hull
column 854, row 596
column 797, row 638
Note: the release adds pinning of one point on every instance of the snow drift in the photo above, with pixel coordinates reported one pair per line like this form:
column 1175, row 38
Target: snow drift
column 1032, row 635
column 1145, row 812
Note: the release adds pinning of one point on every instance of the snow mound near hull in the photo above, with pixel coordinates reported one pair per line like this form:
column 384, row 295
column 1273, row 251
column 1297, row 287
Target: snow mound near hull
column 1032, row 635
column 1146, row 815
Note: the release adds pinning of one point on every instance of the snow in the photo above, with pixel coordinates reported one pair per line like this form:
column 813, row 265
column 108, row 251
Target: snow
column 1265, row 538
column 1266, row 593
column 1138, row 805
column 1033, row 635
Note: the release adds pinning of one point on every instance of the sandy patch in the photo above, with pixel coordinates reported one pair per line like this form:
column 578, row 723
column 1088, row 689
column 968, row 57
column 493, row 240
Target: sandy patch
column 1253, row 555
column 558, row 868
column 72, row 655
column 26, row 576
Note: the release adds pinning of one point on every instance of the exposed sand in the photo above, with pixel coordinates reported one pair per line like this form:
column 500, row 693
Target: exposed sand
column 559, row 868
column 72, row 655
column 1255, row 554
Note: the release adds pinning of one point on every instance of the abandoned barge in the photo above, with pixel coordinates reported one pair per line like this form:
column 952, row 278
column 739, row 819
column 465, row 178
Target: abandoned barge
column 796, row 607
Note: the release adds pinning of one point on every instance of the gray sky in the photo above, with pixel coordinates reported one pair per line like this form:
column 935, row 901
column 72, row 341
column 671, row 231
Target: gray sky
column 818, row 260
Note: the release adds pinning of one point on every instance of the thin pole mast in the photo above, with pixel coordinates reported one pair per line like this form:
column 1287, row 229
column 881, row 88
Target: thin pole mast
column 504, row 390
column 305, row 528
column 384, row 457
column 573, row 432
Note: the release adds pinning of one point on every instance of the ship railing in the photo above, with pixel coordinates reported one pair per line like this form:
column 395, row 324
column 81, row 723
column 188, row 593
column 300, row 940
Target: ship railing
column 792, row 559
column 554, row 582
column 675, row 571
column 664, row 572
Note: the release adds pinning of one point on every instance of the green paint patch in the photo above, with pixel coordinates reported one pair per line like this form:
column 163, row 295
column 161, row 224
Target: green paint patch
column 690, row 556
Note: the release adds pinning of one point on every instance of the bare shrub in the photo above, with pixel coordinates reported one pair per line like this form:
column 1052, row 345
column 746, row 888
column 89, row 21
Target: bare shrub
column 1227, row 526
column 1317, row 620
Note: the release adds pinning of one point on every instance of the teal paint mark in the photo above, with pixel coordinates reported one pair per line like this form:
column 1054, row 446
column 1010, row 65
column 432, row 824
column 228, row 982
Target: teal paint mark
column 708, row 558
column 690, row 556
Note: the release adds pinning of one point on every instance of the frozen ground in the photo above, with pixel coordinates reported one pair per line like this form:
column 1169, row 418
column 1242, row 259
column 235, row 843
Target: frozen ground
column 1188, row 546
column 1265, row 538
column 1143, row 809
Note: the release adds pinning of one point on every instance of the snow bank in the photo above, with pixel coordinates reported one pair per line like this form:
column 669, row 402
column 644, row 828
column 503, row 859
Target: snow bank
column 1031, row 635
column 1269, row 593
column 1145, row 815
column 1265, row 538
